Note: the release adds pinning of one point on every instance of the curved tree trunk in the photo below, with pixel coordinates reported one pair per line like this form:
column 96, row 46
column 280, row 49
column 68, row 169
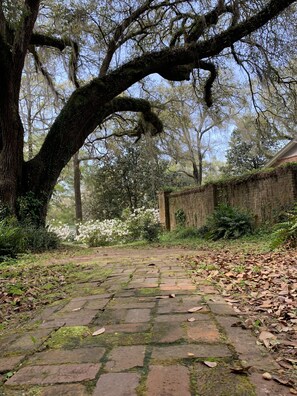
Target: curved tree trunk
column 88, row 106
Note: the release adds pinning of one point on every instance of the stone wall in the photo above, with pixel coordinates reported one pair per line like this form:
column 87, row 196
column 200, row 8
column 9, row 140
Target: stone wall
column 263, row 194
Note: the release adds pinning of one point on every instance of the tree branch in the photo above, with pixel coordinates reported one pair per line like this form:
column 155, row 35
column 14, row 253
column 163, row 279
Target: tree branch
column 88, row 106
column 23, row 34
column 41, row 40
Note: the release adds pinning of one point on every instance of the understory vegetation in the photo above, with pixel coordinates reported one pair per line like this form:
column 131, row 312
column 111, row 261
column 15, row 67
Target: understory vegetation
column 225, row 224
column 15, row 238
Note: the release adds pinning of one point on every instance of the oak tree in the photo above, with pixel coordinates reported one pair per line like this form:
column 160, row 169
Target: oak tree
column 110, row 46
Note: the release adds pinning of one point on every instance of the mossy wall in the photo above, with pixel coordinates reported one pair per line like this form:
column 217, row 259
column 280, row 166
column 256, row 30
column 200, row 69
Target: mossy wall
column 264, row 194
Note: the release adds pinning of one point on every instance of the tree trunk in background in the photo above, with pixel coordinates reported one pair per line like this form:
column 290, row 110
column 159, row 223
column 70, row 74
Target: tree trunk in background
column 77, row 188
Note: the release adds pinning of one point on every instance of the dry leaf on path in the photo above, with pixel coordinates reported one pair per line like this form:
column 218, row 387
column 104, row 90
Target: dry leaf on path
column 210, row 364
column 99, row 331
column 191, row 319
column 195, row 309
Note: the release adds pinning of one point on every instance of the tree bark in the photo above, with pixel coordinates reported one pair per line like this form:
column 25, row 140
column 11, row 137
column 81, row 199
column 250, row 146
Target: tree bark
column 77, row 188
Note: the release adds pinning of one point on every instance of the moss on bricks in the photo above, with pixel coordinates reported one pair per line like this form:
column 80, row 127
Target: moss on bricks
column 68, row 337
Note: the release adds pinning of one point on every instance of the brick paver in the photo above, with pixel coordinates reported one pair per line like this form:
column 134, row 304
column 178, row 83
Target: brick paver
column 9, row 363
column 125, row 358
column 57, row 356
column 148, row 345
column 120, row 384
column 54, row 374
column 168, row 380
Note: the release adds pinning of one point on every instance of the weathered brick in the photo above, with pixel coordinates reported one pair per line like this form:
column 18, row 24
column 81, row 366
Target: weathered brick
column 190, row 351
column 29, row 341
column 245, row 344
column 40, row 375
column 79, row 355
column 125, row 358
column 203, row 331
column 64, row 390
column 268, row 388
column 127, row 328
column 98, row 303
column 130, row 303
column 222, row 309
column 180, row 304
column 207, row 289
column 78, row 318
column 117, row 384
column 9, row 363
column 168, row 380
column 181, row 317
column 93, row 297
column 138, row 315
column 164, row 332
column 73, row 305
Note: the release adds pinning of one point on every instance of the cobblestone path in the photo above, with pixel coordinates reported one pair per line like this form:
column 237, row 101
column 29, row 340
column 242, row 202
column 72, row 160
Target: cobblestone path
column 151, row 344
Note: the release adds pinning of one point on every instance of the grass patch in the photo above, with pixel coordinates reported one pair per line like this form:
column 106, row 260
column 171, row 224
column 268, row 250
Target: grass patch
column 257, row 243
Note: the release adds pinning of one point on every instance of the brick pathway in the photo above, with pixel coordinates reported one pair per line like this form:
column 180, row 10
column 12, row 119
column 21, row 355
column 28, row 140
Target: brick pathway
column 149, row 347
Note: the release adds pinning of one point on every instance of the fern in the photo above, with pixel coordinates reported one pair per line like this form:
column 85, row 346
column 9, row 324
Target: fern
column 228, row 223
column 285, row 233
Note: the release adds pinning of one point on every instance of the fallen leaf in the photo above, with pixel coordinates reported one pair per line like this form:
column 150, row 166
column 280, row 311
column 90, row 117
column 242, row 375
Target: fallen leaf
column 240, row 369
column 210, row 364
column 172, row 295
column 190, row 354
column 99, row 331
column 267, row 376
column 195, row 309
column 76, row 309
column 191, row 319
column 265, row 336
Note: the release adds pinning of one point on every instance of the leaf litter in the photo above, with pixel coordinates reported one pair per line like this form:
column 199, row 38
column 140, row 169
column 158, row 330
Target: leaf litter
column 262, row 288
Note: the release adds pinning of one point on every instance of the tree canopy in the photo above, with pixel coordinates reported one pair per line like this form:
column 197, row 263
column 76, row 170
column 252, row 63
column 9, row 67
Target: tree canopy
column 107, row 49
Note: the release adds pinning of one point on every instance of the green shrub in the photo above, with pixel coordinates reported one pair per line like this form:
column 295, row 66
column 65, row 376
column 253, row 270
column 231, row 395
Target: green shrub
column 150, row 230
column 29, row 209
column 37, row 240
column 285, row 233
column 16, row 239
column 10, row 238
column 228, row 223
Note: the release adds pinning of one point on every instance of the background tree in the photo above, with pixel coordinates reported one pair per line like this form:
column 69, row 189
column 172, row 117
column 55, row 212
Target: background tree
column 192, row 130
column 249, row 149
column 128, row 177
column 108, row 55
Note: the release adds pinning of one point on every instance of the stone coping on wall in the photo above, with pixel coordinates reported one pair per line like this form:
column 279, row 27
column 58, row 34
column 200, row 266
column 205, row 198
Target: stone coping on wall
column 261, row 174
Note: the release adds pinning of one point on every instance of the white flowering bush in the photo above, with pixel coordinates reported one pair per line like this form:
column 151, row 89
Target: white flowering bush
column 144, row 224
column 100, row 233
column 64, row 232
column 140, row 224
